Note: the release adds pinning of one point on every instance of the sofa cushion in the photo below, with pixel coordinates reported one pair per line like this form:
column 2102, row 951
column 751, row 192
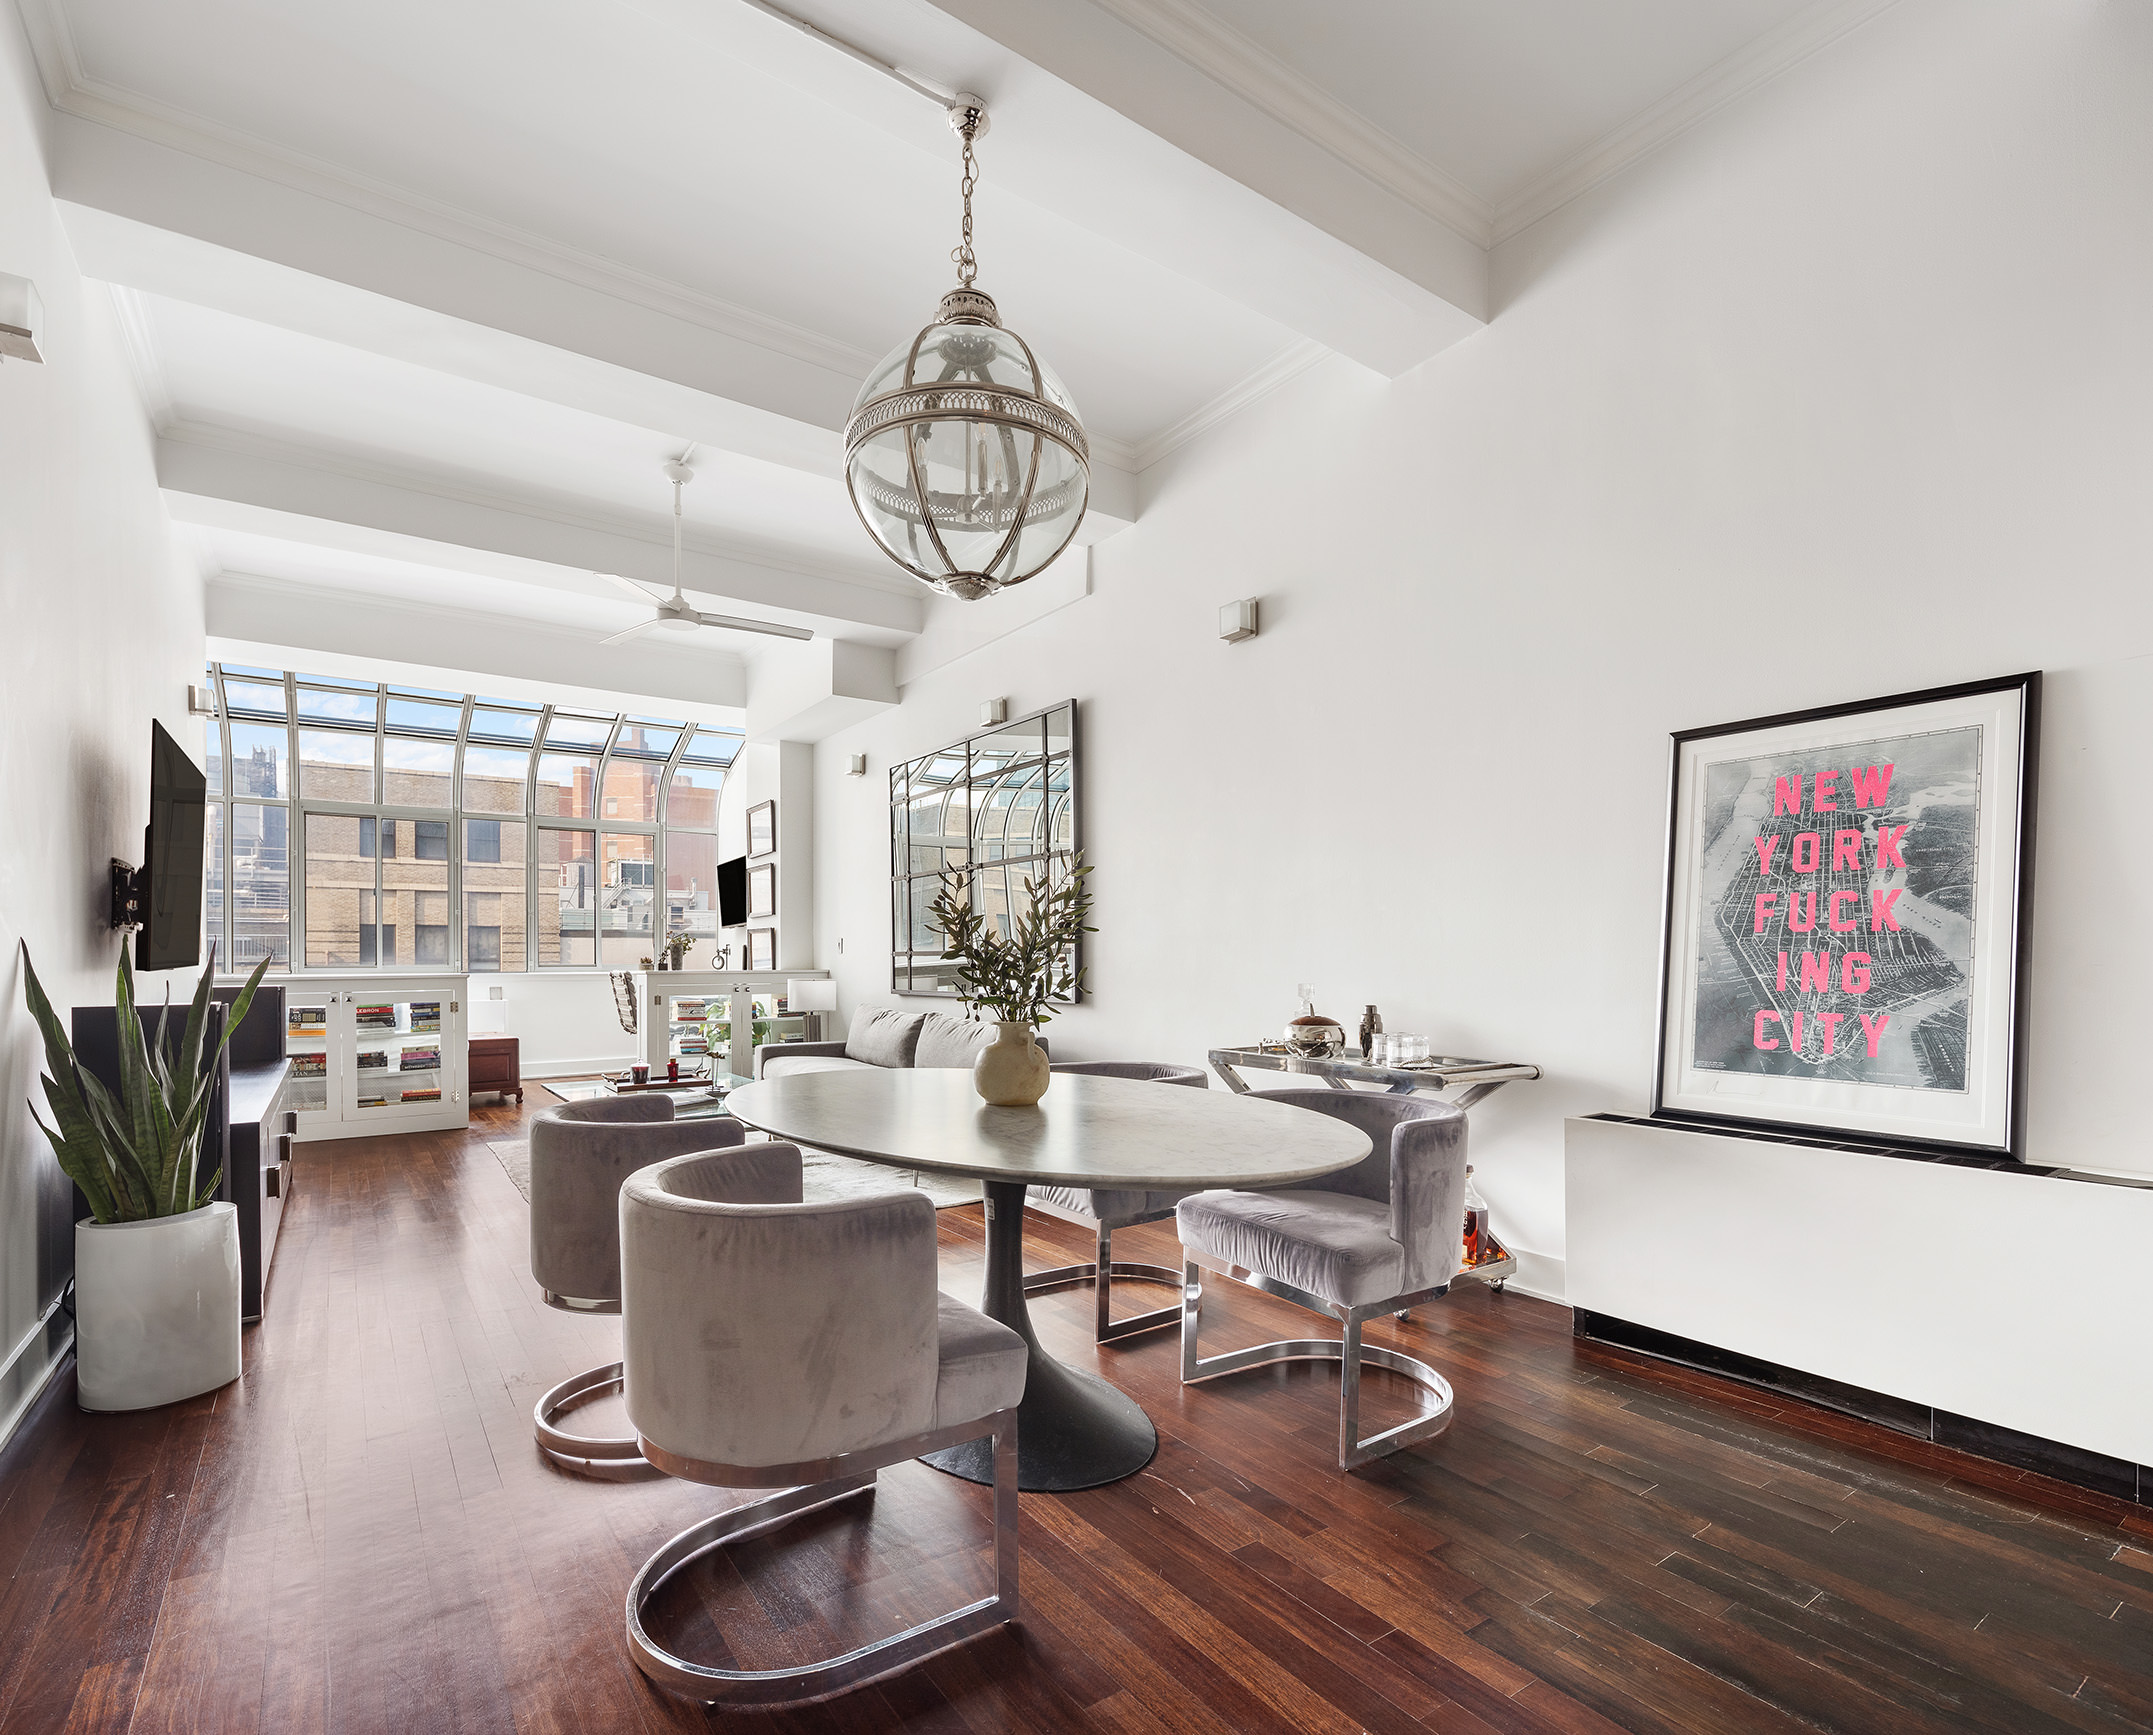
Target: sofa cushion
column 980, row 1365
column 947, row 1041
column 1333, row 1245
column 883, row 1036
column 792, row 1065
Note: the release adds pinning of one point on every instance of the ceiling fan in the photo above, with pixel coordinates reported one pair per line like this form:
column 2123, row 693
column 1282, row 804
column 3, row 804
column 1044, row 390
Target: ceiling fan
column 673, row 611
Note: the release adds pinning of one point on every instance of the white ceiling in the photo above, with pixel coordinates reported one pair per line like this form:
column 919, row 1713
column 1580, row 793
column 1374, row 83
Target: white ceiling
column 421, row 293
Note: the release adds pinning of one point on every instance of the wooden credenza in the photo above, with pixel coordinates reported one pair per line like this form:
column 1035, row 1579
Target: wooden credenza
column 496, row 1064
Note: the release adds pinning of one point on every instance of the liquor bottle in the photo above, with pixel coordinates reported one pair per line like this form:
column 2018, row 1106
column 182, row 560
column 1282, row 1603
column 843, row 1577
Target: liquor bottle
column 1478, row 1247
column 1371, row 1025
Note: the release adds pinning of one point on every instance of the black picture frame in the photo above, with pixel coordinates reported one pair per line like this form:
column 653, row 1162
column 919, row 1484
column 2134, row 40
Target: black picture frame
column 1868, row 1100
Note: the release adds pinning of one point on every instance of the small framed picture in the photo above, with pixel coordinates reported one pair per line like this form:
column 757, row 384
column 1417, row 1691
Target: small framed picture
column 762, row 948
column 762, row 828
column 762, row 892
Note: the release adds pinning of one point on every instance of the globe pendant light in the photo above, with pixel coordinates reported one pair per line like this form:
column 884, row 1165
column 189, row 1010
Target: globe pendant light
column 964, row 456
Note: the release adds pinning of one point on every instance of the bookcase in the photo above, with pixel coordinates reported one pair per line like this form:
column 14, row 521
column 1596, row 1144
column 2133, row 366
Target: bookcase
column 376, row 1053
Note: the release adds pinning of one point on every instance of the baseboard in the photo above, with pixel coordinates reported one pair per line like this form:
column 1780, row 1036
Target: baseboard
column 30, row 1367
column 1541, row 1276
column 2116, row 1477
column 579, row 1068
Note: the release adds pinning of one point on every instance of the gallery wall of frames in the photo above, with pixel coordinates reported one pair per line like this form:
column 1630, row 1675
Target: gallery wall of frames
column 355, row 825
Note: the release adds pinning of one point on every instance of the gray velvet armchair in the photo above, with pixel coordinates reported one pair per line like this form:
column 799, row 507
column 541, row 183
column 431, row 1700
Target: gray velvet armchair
column 774, row 1344
column 1106, row 1209
column 1377, row 1238
column 581, row 1152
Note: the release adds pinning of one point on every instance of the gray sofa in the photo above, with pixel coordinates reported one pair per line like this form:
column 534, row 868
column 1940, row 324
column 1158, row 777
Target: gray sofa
column 882, row 1036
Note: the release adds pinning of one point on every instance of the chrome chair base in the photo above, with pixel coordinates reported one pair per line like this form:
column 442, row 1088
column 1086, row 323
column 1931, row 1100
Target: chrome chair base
column 1106, row 1328
column 1350, row 1353
column 585, row 1452
column 827, row 1481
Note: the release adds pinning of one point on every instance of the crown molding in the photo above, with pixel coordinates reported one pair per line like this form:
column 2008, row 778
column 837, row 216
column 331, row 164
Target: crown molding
column 1290, row 363
column 142, row 358
column 1185, row 29
column 214, row 436
column 71, row 91
column 1809, row 31
column 1216, row 49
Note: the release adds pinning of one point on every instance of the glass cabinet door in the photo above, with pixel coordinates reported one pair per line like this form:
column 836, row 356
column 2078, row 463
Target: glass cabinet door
column 306, row 1042
column 397, row 1041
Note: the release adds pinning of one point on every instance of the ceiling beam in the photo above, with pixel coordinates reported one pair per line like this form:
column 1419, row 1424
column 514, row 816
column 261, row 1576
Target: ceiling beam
column 261, row 621
column 234, row 484
column 153, row 218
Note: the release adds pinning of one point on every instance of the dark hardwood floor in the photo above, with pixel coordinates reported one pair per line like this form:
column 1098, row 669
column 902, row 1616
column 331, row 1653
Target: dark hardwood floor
column 360, row 1535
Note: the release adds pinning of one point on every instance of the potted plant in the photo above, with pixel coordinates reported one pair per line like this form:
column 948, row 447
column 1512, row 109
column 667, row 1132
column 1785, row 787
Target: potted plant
column 1015, row 978
column 157, row 1260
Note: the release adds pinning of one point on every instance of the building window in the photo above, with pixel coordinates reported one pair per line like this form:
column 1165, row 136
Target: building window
column 1000, row 808
column 348, row 755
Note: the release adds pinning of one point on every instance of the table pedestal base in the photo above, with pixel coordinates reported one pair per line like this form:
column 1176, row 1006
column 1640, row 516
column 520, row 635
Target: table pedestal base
column 1073, row 1429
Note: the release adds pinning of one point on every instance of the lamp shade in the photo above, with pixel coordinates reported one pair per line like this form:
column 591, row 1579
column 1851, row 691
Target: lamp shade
column 810, row 995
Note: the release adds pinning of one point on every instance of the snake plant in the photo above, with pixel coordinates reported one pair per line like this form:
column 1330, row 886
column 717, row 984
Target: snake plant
column 134, row 1153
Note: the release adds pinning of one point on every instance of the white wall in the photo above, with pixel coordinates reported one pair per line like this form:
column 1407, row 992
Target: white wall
column 103, row 630
column 1842, row 394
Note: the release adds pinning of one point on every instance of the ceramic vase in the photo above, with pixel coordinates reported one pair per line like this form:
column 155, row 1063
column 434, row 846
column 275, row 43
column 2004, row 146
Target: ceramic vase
column 156, row 1308
column 1010, row 1071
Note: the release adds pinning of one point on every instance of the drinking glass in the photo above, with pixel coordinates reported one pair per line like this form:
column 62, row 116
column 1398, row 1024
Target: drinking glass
column 1379, row 1048
column 1406, row 1048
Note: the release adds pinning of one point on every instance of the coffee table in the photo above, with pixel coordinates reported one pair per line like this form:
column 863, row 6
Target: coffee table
column 1073, row 1429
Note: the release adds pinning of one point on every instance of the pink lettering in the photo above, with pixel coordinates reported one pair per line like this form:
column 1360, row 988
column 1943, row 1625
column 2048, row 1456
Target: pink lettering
column 1782, row 982
column 1853, row 972
column 1846, row 924
column 1826, row 785
column 1756, row 1029
column 1765, row 848
column 1795, row 1042
column 1846, row 851
column 1816, row 972
column 1880, row 916
column 1887, row 847
column 1767, row 902
column 1786, row 795
column 1871, row 785
column 1831, row 1022
column 1806, row 860
column 1795, row 918
column 1873, row 1029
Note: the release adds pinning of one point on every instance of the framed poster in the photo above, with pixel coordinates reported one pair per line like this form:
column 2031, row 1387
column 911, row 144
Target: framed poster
column 762, row 948
column 1847, row 900
column 762, row 891
column 762, row 828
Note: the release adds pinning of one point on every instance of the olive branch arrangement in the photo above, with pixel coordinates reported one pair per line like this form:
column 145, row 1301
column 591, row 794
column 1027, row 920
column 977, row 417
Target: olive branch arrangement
column 134, row 1154
column 1016, row 978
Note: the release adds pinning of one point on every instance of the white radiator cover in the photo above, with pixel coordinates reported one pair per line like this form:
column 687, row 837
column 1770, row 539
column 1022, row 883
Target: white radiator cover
column 2018, row 1299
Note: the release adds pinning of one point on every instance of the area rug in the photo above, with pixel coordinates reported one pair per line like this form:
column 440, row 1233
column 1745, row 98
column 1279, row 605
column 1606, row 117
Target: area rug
column 824, row 1176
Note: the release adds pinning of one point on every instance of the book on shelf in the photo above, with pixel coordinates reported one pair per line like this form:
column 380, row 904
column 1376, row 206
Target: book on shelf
column 380, row 1017
column 419, row 1060
column 425, row 1015
column 694, row 1045
column 373, row 1099
column 421, row 1095
column 370, row 1058
column 306, row 1021
column 310, row 1065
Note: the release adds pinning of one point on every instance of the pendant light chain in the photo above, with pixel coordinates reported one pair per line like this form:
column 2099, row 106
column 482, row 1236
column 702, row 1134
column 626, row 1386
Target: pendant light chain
column 967, row 265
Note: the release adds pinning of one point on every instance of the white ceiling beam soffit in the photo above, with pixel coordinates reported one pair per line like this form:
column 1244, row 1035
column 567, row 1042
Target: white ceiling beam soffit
column 236, row 484
column 1055, row 146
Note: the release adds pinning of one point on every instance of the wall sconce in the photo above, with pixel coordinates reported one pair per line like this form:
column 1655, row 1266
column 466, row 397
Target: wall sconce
column 994, row 711
column 1237, row 620
column 856, row 766
column 22, row 319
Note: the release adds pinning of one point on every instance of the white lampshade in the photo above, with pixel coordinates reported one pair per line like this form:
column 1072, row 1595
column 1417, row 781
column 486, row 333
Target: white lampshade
column 811, row 995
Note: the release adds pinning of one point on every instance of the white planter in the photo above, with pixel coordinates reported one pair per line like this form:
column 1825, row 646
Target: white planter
column 156, row 1308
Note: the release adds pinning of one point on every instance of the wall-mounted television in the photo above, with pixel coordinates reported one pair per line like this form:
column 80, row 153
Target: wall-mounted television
column 169, row 887
column 733, row 892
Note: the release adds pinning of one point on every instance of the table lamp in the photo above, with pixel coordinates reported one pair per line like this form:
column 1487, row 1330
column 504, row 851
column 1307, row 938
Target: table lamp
column 811, row 995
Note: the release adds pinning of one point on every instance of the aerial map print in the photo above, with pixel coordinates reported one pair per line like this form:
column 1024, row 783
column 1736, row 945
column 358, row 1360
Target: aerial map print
column 1836, row 930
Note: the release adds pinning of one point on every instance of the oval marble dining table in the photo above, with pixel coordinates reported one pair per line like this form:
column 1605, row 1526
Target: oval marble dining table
column 1073, row 1429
